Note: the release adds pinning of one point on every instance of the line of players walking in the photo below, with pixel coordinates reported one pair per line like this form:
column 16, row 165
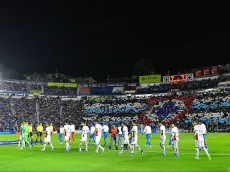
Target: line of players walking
column 26, row 134
column 118, row 135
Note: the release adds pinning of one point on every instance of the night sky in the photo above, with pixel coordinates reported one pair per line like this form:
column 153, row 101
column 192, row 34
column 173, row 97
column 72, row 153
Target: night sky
column 101, row 38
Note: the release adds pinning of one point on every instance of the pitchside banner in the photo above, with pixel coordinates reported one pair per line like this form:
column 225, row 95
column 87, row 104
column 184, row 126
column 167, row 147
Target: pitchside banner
column 149, row 79
column 57, row 84
column 7, row 132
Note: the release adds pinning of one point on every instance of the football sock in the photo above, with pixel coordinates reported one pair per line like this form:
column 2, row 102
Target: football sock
column 197, row 152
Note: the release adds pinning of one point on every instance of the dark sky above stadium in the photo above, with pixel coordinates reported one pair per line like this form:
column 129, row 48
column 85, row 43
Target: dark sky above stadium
column 98, row 38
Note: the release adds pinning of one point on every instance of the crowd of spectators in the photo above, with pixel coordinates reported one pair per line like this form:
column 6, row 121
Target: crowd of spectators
column 15, row 109
column 189, row 85
column 7, row 121
column 180, row 107
column 114, row 109
column 26, row 86
column 213, row 108
column 60, row 91
column 22, row 86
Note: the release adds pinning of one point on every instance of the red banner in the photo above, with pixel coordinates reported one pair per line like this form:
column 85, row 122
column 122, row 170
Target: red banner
column 214, row 70
column 206, row 72
column 198, row 73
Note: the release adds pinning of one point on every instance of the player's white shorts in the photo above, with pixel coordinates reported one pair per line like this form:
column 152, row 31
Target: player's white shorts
column 199, row 143
column 134, row 141
column 67, row 138
column 47, row 139
column 162, row 140
column 20, row 137
column 97, row 139
column 125, row 140
column 175, row 143
column 84, row 139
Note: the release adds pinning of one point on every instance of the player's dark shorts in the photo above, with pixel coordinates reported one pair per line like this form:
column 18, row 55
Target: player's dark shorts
column 92, row 136
column 30, row 134
column 148, row 136
column 39, row 134
column 106, row 134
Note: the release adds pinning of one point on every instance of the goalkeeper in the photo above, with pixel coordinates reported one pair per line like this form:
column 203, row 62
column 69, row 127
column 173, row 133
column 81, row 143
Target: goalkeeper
column 25, row 133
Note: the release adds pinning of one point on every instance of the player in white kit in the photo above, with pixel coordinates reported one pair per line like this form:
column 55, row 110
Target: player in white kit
column 84, row 133
column 119, row 130
column 134, row 139
column 61, row 132
column 125, row 137
column 148, row 132
column 67, row 136
column 174, row 140
column 204, row 133
column 162, row 138
column 20, row 135
column 105, row 129
column 72, row 130
column 199, row 140
column 92, row 134
column 98, row 133
column 47, row 138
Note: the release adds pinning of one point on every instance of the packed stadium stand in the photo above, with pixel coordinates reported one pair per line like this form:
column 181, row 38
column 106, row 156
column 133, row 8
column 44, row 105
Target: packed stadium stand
column 171, row 102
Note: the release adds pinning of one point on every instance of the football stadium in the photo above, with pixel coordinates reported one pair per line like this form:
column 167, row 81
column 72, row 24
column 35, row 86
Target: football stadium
column 160, row 123
column 114, row 86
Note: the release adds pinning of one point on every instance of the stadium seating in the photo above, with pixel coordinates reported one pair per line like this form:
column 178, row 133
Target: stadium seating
column 60, row 91
column 190, row 85
column 182, row 107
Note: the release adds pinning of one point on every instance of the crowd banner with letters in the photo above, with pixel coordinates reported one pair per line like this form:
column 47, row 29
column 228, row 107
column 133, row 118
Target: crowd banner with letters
column 149, row 79
column 206, row 72
column 214, row 70
column 198, row 73
column 57, row 84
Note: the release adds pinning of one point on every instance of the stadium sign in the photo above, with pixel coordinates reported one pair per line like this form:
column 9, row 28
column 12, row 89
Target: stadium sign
column 178, row 78
column 149, row 79
column 57, row 84
column 35, row 91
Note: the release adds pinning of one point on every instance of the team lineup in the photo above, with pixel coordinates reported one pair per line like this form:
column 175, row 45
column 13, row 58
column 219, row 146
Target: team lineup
column 119, row 135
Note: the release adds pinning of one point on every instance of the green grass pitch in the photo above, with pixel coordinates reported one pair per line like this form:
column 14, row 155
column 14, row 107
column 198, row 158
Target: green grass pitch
column 12, row 159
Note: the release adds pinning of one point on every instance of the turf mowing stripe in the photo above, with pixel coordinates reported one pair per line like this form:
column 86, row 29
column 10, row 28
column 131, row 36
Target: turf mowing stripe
column 224, row 154
column 10, row 161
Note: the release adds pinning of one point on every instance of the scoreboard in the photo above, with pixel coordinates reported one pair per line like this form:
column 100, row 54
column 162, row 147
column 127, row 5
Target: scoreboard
column 178, row 78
